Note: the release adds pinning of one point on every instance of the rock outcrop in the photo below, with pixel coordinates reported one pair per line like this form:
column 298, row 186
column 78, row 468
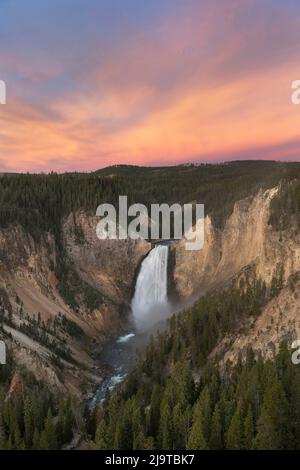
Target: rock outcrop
column 29, row 291
column 29, row 287
column 279, row 321
column 109, row 265
column 246, row 239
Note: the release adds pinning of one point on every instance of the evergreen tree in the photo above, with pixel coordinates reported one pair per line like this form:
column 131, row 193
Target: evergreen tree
column 143, row 443
column 50, row 431
column 36, row 440
column 43, row 443
column 197, row 440
column 234, row 433
column 124, row 432
column 28, row 426
column 153, row 420
column 180, row 420
column 215, row 441
column 18, row 442
column 165, row 426
column 273, row 424
column 101, row 438
column 248, row 429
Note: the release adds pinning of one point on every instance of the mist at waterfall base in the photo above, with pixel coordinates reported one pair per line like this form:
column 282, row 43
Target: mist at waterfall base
column 150, row 301
column 149, row 309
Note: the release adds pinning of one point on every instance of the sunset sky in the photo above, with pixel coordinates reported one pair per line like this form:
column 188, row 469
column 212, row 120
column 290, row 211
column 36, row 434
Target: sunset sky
column 92, row 83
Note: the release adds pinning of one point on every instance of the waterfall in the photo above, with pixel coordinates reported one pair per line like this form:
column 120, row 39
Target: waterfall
column 150, row 301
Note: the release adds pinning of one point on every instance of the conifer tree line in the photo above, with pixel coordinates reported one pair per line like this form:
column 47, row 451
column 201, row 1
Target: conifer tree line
column 31, row 417
column 178, row 398
column 285, row 207
column 39, row 202
column 175, row 397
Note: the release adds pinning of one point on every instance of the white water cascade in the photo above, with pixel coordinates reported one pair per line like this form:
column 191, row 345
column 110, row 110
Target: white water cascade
column 150, row 301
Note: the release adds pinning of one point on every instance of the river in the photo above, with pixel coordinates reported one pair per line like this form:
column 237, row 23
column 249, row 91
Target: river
column 149, row 306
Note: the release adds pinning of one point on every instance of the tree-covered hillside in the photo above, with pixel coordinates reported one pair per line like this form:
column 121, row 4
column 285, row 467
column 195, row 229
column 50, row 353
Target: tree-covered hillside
column 31, row 417
column 177, row 397
column 285, row 207
column 38, row 202
column 218, row 187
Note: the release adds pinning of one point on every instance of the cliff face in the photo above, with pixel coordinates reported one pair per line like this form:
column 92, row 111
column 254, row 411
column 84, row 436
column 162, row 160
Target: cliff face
column 279, row 320
column 108, row 265
column 246, row 239
column 29, row 289
column 31, row 305
column 27, row 273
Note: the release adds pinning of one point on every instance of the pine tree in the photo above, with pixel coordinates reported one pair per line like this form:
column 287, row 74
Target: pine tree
column 153, row 419
column 101, row 438
column 248, row 429
column 28, row 427
column 9, row 445
column 143, row 443
column 178, row 419
column 215, row 441
column 18, row 443
column 50, row 431
column 205, row 407
column 36, row 440
column 273, row 430
column 234, row 433
column 124, row 434
column 165, row 426
column 197, row 440
column 43, row 443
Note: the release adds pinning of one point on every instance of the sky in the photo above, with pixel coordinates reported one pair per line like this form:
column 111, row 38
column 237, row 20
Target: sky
column 92, row 83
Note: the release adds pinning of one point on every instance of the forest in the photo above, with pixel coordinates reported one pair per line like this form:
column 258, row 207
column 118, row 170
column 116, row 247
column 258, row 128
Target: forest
column 39, row 202
column 178, row 396
column 31, row 417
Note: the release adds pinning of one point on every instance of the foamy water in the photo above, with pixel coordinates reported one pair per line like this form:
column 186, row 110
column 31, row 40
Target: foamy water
column 150, row 300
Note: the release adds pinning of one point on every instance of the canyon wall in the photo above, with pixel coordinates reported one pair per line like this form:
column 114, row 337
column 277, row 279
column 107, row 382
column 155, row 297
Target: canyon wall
column 246, row 239
column 109, row 265
column 29, row 291
column 29, row 288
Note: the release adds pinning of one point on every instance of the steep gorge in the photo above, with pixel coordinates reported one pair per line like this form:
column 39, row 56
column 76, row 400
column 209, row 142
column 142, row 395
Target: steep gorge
column 30, row 287
column 31, row 302
column 248, row 246
column 246, row 239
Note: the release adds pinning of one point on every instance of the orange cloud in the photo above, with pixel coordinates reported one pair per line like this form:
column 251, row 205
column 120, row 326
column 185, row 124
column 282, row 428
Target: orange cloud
column 195, row 88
